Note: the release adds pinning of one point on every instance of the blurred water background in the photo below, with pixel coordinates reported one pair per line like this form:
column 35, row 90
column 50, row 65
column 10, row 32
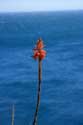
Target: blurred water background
column 62, row 83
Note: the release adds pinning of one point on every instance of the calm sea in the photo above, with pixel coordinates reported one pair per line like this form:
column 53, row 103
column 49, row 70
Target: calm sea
column 62, row 75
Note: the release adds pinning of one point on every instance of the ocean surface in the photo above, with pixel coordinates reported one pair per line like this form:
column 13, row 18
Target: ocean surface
column 62, row 69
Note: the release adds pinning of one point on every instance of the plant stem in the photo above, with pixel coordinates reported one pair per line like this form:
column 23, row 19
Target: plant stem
column 39, row 91
column 13, row 115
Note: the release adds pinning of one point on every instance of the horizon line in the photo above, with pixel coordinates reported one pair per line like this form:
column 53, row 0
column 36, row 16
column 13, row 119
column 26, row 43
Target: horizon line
column 34, row 11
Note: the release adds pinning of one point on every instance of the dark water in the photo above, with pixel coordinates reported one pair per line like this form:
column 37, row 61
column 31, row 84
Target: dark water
column 62, row 84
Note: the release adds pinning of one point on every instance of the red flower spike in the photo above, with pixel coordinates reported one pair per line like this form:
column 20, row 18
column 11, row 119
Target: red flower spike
column 39, row 54
column 39, row 44
column 36, row 55
column 42, row 54
column 38, row 51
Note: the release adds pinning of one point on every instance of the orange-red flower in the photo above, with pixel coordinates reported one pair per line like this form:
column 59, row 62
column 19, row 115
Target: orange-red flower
column 38, row 51
column 40, row 44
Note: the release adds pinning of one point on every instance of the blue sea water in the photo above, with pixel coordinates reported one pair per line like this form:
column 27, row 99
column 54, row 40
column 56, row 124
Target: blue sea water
column 62, row 69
